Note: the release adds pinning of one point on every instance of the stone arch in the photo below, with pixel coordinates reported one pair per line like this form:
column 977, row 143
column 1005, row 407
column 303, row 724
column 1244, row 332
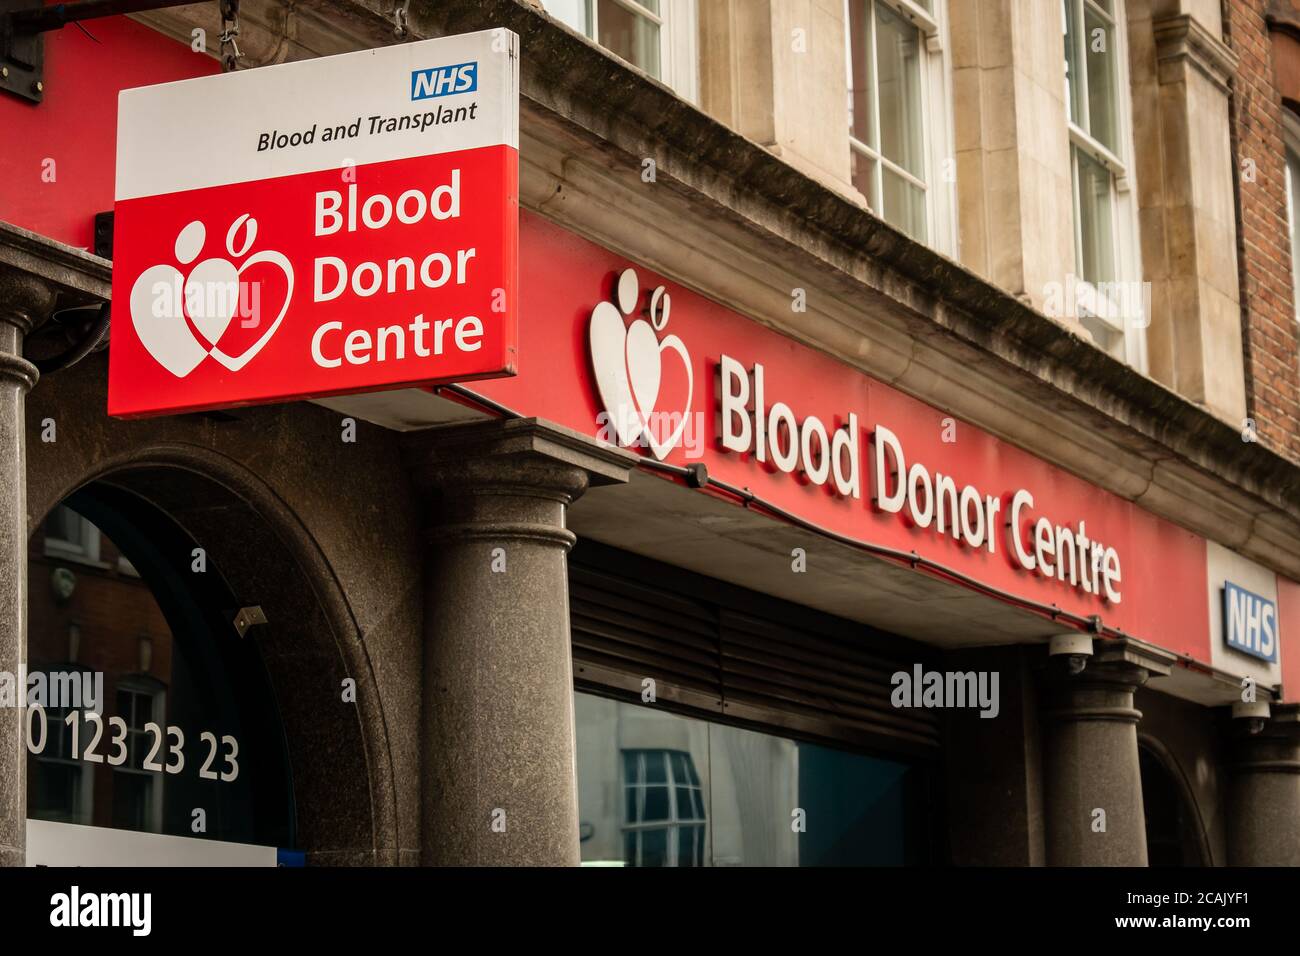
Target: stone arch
column 340, row 756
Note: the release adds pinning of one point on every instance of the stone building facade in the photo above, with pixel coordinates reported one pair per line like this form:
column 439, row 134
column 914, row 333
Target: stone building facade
column 1044, row 249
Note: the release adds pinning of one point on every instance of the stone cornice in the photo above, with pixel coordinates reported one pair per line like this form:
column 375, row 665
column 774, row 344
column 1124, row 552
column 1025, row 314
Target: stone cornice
column 1183, row 39
column 38, row 276
column 77, row 277
column 733, row 222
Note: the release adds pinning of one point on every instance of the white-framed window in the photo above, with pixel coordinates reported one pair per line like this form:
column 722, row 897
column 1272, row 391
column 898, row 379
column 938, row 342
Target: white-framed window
column 1291, row 139
column 900, row 123
column 70, row 536
column 660, row 37
column 137, row 793
column 664, row 813
column 1107, row 259
column 66, row 790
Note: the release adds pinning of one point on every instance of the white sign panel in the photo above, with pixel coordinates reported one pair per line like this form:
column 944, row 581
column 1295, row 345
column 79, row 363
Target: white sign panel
column 67, row 844
column 254, row 124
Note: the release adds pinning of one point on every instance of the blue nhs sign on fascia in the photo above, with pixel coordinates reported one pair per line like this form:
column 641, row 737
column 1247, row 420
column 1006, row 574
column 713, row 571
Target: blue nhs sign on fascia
column 1249, row 622
column 444, row 80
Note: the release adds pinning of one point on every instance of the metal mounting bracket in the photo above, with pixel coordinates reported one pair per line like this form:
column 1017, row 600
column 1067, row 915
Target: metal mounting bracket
column 23, row 24
column 22, row 54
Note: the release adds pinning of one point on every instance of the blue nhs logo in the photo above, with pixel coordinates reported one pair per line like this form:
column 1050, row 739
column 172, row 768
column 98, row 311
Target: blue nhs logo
column 444, row 80
column 1249, row 622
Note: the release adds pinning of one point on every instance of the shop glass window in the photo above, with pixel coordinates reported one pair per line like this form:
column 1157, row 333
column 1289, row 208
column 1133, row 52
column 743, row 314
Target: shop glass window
column 898, row 118
column 137, row 803
column 64, row 793
column 1113, row 308
column 658, row 789
column 657, row 36
column 183, row 716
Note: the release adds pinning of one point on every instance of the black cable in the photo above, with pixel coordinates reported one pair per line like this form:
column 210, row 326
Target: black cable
column 478, row 399
column 91, row 341
column 911, row 558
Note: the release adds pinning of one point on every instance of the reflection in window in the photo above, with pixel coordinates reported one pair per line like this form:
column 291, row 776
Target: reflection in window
column 1292, row 127
column 1105, row 253
column 665, row 809
column 887, row 129
column 657, row 36
column 172, row 668
column 1090, row 68
column 63, row 793
column 894, row 102
column 631, row 29
column 137, row 793
column 657, row 789
column 70, row 536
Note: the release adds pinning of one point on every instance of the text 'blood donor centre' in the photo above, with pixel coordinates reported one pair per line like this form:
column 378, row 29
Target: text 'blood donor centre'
column 930, row 502
column 334, row 277
column 376, row 250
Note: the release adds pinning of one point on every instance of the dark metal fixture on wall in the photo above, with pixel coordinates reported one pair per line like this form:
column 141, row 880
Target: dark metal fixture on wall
column 22, row 44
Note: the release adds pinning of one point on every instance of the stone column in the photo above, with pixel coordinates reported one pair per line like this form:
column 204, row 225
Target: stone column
column 1181, row 78
column 25, row 301
column 500, row 784
column 1264, row 800
column 1090, row 756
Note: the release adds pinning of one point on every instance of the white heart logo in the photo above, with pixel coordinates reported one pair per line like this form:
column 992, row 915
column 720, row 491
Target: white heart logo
column 661, row 448
column 644, row 367
column 628, row 362
column 161, row 297
column 159, row 321
column 608, row 338
column 211, row 297
column 235, row 363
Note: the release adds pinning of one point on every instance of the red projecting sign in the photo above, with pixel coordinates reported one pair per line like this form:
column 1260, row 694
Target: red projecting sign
column 338, row 225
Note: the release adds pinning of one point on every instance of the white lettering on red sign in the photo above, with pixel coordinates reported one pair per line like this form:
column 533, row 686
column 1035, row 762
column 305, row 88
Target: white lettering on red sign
column 928, row 500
